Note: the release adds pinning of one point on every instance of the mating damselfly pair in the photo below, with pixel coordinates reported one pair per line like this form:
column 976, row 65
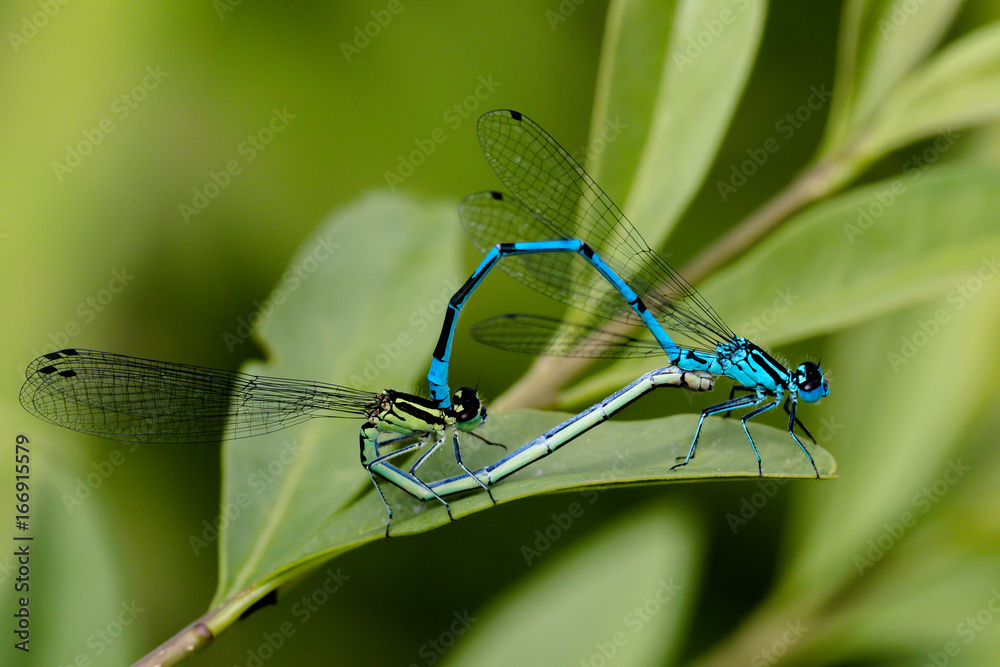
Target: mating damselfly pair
column 554, row 227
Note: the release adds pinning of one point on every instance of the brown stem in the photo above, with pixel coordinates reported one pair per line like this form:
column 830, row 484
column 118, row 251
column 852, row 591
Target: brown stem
column 192, row 638
column 203, row 630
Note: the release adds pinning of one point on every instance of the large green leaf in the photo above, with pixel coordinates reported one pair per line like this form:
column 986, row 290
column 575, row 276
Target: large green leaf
column 298, row 497
column 616, row 453
column 360, row 305
column 621, row 598
column 699, row 54
column 883, row 247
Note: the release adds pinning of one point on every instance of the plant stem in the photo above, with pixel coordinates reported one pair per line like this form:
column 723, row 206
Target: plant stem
column 192, row 638
column 203, row 630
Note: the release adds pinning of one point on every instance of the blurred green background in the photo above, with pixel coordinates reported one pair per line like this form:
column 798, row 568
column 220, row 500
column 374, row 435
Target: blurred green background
column 101, row 253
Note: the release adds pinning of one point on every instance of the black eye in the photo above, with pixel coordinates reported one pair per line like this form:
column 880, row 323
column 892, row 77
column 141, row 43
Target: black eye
column 811, row 371
column 811, row 385
column 467, row 405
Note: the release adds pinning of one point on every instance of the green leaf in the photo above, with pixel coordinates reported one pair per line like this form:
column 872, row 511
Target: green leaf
column 623, row 597
column 298, row 497
column 957, row 88
column 698, row 54
column 880, row 42
column 879, row 248
column 626, row 452
column 615, row 454
column 360, row 305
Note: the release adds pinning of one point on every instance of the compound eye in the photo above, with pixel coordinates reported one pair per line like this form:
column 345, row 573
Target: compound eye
column 467, row 406
column 812, row 384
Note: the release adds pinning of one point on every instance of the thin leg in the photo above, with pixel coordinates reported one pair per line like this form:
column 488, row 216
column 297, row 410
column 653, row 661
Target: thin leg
column 792, row 420
column 726, row 406
column 732, row 392
column 458, row 458
column 423, row 457
column 800, row 424
column 401, row 479
column 751, row 415
column 488, row 442
column 384, row 502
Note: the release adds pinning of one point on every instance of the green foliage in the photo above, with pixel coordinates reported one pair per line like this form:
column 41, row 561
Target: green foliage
column 873, row 245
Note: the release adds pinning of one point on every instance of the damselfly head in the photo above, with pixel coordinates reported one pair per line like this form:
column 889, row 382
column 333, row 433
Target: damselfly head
column 468, row 408
column 811, row 383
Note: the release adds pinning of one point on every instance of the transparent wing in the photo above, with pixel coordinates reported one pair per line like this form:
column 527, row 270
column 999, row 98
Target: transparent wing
column 139, row 400
column 534, row 334
column 556, row 189
column 492, row 217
